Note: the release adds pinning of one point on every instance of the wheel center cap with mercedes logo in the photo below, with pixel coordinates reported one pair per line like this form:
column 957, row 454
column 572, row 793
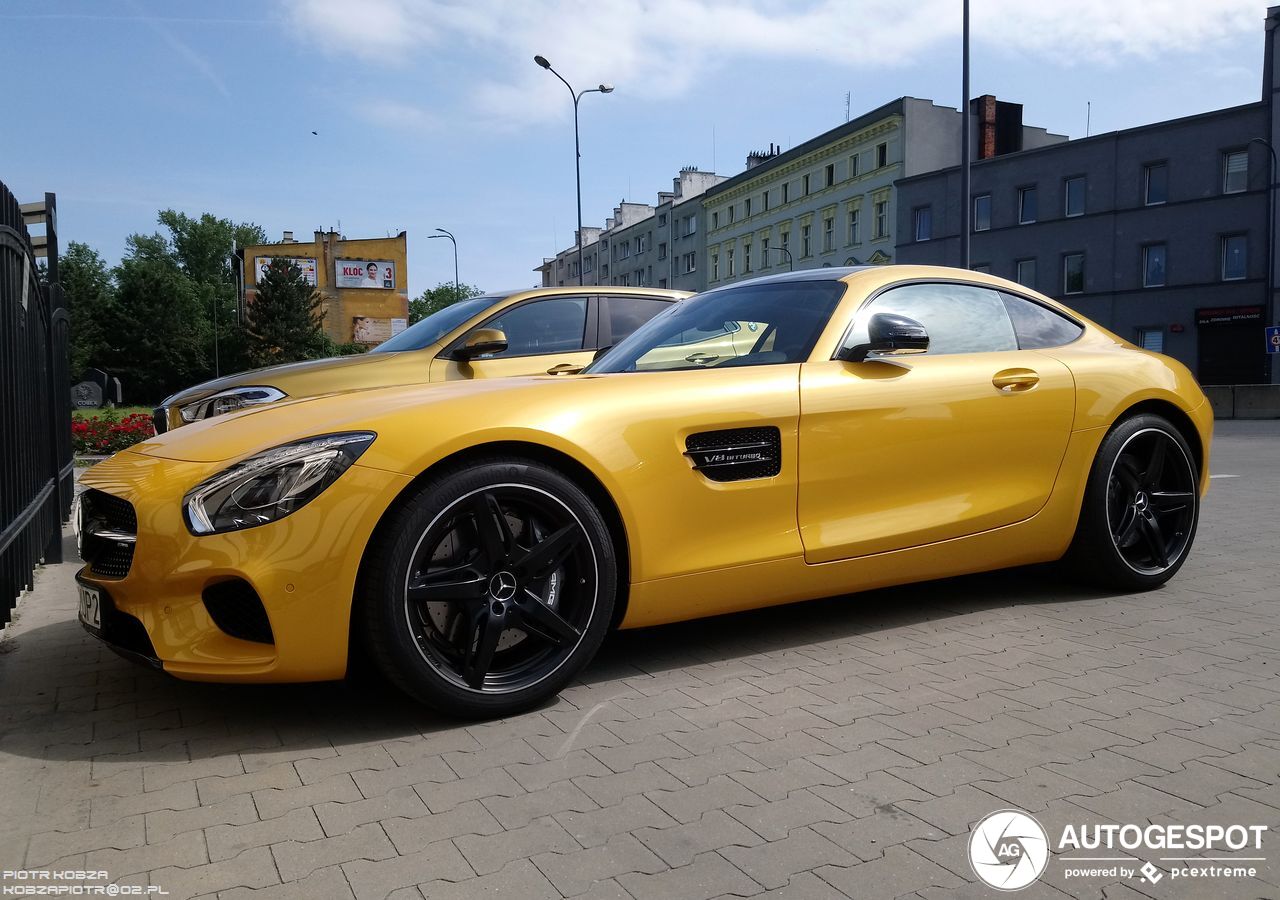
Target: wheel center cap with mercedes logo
column 502, row 586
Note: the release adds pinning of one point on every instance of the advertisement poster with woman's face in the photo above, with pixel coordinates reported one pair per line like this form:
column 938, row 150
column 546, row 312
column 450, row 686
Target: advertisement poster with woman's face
column 365, row 273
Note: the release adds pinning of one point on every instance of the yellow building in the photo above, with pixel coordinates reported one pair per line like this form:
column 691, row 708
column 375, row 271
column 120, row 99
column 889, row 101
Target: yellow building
column 364, row 283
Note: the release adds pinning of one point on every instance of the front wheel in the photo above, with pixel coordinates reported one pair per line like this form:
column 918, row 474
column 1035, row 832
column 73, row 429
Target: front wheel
column 1141, row 507
column 489, row 588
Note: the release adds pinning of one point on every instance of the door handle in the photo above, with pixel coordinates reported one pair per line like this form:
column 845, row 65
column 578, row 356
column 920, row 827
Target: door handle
column 565, row 369
column 701, row 358
column 1013, row 381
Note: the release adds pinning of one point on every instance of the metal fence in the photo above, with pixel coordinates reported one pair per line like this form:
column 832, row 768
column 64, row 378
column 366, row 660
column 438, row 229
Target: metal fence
column 36, row 467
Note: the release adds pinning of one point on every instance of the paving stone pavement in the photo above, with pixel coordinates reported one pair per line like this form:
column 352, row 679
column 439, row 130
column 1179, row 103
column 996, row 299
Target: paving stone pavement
column 843, row 747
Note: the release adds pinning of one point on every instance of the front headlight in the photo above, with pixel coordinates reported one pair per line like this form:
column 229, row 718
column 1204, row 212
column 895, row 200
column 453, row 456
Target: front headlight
column 270, row 485
column 229, row 400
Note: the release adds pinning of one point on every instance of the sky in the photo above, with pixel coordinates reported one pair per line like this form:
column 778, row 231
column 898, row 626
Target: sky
column 432, row 113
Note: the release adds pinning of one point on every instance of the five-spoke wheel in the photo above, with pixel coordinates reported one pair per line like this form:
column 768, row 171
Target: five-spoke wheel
column 1141, row 506
column 495, row 585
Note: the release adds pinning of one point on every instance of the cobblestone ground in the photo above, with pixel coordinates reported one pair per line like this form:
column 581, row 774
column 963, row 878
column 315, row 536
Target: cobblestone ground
column 844, row 747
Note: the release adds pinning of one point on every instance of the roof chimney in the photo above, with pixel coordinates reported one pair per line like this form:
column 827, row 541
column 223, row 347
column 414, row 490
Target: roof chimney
column 288, row 238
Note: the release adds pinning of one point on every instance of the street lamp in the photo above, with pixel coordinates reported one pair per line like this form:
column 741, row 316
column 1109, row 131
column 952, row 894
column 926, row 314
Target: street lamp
column 577, row 150
column 791, row 263
column 457, row 288
column 1271, row 237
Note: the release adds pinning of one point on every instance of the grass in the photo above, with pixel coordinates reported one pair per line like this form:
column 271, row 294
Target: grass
column 120, row 411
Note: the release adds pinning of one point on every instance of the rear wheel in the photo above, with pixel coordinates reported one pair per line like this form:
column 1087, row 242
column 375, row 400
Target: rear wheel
column 490, row 588
column 1141, row 507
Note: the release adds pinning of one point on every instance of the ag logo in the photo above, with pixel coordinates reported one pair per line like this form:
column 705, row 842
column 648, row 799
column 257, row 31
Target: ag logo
column 1008, row 850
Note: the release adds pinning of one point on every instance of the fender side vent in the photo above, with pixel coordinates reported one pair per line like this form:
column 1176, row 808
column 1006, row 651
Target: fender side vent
column 736, row 454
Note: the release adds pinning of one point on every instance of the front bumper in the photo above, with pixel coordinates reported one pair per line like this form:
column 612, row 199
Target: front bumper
column 303, row 569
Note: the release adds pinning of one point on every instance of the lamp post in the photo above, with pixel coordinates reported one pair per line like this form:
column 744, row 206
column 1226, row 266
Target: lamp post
column 791, row 263
column 577, row 150
column 966, row 205
column 1271, row 240
column 457, row 287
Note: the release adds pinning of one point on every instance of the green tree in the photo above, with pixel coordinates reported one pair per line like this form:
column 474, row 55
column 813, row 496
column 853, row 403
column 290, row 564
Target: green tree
column 437, row 298
column 86, row 280
column 283, row 323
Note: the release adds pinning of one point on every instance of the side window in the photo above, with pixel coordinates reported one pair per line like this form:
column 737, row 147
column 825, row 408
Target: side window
column 1038, row 326
column 626, row 314
column 543, row 326
column 959, row 318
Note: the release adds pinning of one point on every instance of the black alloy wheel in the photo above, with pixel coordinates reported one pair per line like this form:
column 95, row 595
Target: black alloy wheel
column 1141, row 506
column 496, row 587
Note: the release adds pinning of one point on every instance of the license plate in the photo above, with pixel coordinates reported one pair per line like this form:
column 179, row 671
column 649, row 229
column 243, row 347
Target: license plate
column 90, row 607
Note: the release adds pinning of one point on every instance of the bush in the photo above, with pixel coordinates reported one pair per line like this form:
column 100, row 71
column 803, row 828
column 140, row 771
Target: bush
column 108, row 433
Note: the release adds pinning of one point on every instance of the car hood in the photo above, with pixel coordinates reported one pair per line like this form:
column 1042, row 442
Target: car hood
column 282, row 375
column 239, row 434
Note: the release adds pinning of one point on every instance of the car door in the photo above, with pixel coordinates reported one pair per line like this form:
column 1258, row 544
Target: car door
column 543, row 334
column 902, row 451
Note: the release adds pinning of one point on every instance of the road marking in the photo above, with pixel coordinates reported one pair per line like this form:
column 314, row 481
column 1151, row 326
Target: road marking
column 1224, row 476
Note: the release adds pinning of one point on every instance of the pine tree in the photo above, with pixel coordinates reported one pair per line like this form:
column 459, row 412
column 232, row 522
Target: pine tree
column 284, row 318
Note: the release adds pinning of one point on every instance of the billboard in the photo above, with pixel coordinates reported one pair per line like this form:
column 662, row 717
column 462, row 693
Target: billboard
column 375, row 330
column 306, row 264
column 365, row 273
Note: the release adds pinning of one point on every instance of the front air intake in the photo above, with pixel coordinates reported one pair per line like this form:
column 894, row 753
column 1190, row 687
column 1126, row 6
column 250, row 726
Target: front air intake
column 237, row 610
column 736, row 454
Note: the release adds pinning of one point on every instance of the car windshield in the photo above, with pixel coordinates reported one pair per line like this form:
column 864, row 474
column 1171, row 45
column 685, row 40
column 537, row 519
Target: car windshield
column 751, row 325
column 426, row 332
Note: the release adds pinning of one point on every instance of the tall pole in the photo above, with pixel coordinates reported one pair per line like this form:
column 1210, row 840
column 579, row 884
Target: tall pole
column 1268, row 307
column 577, row 147
column 457, row 285
column 966, row 213
column 791, row 263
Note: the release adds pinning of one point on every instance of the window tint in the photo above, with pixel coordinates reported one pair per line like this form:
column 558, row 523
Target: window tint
column 435, row 326
column 959, row 318
column 626, row 314
column 543, row 326
column 1038, row 326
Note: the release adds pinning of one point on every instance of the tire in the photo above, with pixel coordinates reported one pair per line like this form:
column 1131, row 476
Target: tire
column 1141, row 507
column 483, row 615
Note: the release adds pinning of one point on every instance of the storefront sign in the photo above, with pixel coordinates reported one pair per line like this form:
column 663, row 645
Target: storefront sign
column 1228, row 315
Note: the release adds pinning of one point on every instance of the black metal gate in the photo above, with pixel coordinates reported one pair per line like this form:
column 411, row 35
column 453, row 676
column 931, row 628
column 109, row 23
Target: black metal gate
column 36, row 468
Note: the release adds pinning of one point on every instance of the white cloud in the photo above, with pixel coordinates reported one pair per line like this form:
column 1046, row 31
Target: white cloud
column 664, row 47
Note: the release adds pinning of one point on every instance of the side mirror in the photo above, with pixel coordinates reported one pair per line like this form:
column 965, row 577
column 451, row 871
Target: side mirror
column 480, row 342
column 888, row 334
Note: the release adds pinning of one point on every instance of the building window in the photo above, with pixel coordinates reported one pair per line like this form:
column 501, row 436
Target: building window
column 746, row 256
column 746, row 208
column 982, row 212
column 831, row 174
column 764, row 201
column 1234, row 252
column 806, row 185
column 1073, row 196
column 662, row 251
column 662, row 282
column 882, row 155
column 1151, row 339
column 690, row 262
column 662, row 220
column 1025, row 273
column 984, row 268
column 804, row 240
column 1155, row 184
column 924, row 223
column 853, row 166
column 764, row 252
column 728, row 256
column 715, row 219
column 1235, row 171
column 1073, row 273
column 731, row 209
column 1153, row 265
column 828, row 233
column 855, row 229
column 715, row 266
column 1026, row 205
column 881, row 219
column 786, row 192
column 785, row 236
column 690, row 225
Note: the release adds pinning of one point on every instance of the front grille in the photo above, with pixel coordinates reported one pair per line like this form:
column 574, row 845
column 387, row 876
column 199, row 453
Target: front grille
column 108, row 529
column 736, row 454
column 236, row 608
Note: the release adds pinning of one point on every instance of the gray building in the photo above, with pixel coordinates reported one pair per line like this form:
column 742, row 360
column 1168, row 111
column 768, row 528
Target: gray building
column 831, row 200
column 1159, row 233
column 662, row 245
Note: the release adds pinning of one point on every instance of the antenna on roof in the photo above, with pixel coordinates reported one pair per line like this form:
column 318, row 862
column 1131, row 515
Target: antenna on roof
column 848, row 96
column 1088, row 116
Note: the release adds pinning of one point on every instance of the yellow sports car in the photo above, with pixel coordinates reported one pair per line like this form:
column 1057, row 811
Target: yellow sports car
column 529, row 332
column 884, row 425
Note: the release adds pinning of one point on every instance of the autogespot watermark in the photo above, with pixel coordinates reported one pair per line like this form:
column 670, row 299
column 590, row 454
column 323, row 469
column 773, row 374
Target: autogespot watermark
column 70, row 883
column 1009, row 850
